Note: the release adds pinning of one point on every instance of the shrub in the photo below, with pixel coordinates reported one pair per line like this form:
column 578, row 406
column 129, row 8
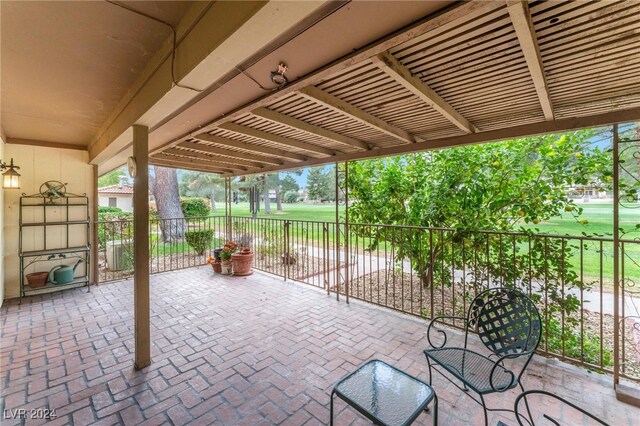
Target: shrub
column 114, row 226
column 199, row 240
column 194, row 207
column 106, row 209
column 291, row 197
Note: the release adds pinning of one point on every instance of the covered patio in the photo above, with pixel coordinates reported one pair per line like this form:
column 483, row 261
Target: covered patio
column 231, row 350
column 241, row 88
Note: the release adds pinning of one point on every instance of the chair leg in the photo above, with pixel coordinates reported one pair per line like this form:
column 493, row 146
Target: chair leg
column 484, row 408
column 526, row 404
column 331, row 408
column 430, row 373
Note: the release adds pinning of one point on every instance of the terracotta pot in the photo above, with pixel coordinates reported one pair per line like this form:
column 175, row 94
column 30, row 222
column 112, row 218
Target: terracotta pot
column 242, row 262
column 217, row 267
column 226, row 267
column 37, row 279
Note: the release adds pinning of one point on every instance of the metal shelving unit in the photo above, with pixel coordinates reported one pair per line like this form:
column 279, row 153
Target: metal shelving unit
column 61, row 216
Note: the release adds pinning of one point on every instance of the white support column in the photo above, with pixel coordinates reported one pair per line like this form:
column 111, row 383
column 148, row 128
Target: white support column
column 141, row 247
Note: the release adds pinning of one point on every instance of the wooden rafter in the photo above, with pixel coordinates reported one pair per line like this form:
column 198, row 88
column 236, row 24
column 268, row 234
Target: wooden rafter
column 195, row 162
column 198, row 168
column 538, row 128
column 280, row 153
column 215, row 159
column 521, row 19
column 271, row 137
column 338, row 105
column 235, row 157
column 401, row 74
column 294, row 123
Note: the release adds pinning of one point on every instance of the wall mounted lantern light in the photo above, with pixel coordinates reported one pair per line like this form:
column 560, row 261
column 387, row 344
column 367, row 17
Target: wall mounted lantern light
column 10, row 178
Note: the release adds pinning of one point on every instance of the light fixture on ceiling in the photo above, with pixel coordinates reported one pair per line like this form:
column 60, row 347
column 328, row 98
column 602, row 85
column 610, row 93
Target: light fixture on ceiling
column 278, row 77
column 10, row 178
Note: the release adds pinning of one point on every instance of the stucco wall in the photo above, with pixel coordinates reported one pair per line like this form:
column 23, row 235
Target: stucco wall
column 124, row 202
column 38, row 165
column 2, row 229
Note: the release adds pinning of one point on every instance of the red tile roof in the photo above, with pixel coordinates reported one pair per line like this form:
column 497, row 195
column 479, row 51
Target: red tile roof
column 117, row 189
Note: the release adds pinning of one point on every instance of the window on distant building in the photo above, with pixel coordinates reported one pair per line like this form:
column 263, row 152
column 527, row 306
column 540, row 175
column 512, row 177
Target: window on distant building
column 113, row 202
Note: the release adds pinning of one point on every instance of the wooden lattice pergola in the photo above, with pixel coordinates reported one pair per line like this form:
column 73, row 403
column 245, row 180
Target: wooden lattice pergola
column 477, row 71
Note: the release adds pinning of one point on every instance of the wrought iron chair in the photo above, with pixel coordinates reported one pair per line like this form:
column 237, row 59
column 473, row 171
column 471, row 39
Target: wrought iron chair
column 561, row 409
column 508, row 324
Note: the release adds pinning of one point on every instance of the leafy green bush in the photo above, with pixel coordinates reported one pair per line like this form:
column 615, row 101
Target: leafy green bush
column 291, row 197
column 194, row 207
column 106, row 209
column 114, row 226
column 199, row 240
column 587, row 350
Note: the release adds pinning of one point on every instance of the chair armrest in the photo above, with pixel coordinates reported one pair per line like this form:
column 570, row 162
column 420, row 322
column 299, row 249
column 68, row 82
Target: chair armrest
column 440, row 331
column 513, row 377
column 529, row 420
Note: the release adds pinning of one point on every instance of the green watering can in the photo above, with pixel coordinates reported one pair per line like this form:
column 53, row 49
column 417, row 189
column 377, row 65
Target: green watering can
column 63, row 274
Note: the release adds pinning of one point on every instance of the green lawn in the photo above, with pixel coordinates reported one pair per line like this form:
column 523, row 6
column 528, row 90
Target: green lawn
column 594, row 260
column 298, row 211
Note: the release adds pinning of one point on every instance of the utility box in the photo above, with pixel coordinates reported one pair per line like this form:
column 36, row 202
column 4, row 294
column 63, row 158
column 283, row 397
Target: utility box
column 119, row 255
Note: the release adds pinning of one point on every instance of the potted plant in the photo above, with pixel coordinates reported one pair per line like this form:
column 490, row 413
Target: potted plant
column 242, row 262
column 215, row 264
column 225, row 256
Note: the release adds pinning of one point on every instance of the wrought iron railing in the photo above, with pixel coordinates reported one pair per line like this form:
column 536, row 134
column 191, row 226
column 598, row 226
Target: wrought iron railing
column 422, row 271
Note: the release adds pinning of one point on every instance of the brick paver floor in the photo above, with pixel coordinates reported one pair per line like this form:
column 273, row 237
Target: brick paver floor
column 230, row 350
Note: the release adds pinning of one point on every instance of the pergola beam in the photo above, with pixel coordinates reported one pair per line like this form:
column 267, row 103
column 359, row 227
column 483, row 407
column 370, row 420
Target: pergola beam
column 194, row 167
column 240, row 164
column 192, row 162
column 281, row 140
column 532, row 129
column 280, row 153
column 294, row 123
column 401, row 74
column 523, row 25
column 338, row 105
column 241, row 158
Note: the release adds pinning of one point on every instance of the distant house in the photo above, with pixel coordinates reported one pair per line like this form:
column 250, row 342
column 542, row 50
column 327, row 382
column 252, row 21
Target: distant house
column 119, row 195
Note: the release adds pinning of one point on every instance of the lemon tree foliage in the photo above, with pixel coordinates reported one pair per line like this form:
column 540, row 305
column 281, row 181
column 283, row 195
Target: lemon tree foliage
column 460, row 193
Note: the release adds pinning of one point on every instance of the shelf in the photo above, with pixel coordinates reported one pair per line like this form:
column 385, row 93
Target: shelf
column 55, row 251
column 77, row 282
column 56, row 205
column 68, row 222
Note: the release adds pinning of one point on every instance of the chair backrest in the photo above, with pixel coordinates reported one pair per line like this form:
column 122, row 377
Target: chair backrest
column 506, row 321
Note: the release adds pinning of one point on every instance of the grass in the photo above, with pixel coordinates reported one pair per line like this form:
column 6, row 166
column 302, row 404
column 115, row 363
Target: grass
column 595, row 262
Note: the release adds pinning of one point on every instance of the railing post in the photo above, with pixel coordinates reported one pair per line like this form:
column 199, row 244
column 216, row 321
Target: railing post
column 616, row 260
column 287, row 247
column 227, row 209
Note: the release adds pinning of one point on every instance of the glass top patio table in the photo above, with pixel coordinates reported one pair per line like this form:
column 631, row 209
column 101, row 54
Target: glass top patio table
column 384, row 394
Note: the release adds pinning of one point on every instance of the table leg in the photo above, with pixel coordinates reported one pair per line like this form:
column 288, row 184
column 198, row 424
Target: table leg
column 435, row 410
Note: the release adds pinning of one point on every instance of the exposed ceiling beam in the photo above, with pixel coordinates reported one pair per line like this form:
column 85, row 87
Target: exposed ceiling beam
column 239, row 157
column 401, row 74
column 338, row 105
column 521, row 19
column 196, row 162
column 294, row 123
column 271, row 137
column 280, row 153
column 241, row 164
column 234, row 31
column 539, row 128
column 194, row 167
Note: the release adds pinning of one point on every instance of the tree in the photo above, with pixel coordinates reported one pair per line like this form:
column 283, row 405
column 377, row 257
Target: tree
column 460, row 191
column 265, row 194
column 320, row 184
column 165, row 190
column 288, row 183
column 200, row 184
column 112, row 177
